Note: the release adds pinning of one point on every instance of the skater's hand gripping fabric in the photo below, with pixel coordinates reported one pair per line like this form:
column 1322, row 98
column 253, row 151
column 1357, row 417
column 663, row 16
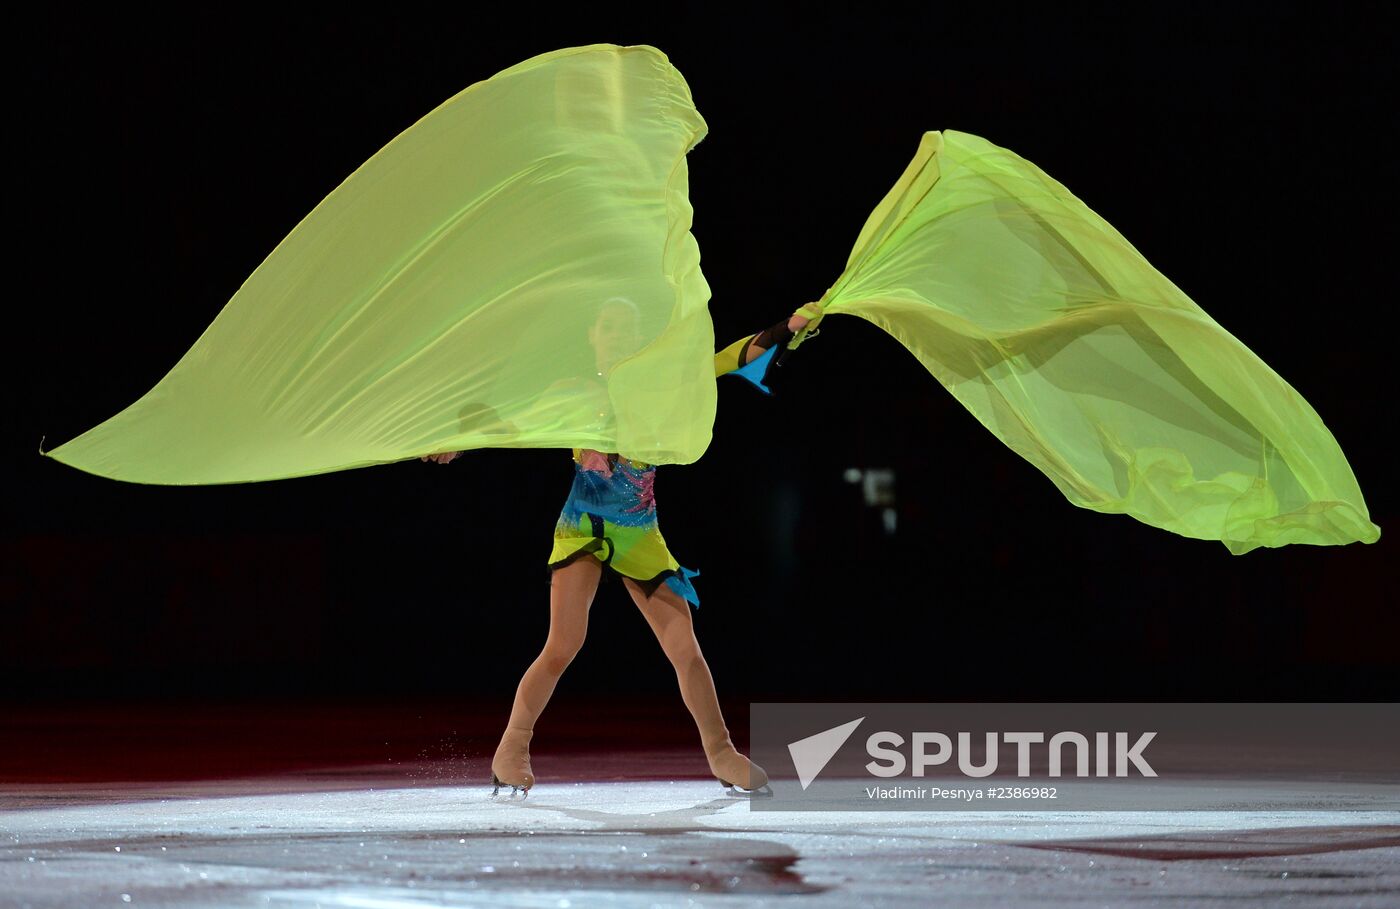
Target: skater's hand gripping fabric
column 803, row 323
column 805, row 314
column 442, row 458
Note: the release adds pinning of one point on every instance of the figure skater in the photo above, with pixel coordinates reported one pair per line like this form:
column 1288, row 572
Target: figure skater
column 609, row 521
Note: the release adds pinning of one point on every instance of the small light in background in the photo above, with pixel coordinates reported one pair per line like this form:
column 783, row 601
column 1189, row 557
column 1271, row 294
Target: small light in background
column 877, row 488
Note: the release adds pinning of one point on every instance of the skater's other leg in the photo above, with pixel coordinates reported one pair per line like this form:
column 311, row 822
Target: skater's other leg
column 571, row 593
column 668, row 614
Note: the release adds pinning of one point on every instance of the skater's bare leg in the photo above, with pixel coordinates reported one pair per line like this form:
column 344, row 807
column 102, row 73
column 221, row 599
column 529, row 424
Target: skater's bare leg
column 668, row 614
column 571, row 594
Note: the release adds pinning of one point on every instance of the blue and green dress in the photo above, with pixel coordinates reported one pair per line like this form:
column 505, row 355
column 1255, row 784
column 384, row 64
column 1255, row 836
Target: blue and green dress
column 611, row 509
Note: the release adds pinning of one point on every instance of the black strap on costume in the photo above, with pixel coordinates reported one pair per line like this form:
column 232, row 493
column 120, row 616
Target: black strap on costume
column 772, row 336
column 777, row 333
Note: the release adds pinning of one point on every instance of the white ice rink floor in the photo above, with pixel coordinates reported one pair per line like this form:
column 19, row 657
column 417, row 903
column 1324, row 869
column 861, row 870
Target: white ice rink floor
column 357, row 837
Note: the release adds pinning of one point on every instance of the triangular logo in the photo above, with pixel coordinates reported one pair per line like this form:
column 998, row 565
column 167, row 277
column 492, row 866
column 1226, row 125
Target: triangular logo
column 811, row 754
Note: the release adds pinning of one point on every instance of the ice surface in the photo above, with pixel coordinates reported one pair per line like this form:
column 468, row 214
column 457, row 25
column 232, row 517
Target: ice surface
column 360, row 837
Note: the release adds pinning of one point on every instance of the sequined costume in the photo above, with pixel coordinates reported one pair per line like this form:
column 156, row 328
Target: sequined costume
column 611, row 509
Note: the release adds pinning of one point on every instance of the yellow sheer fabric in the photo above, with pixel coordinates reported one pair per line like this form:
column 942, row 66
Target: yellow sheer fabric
column 1062, row 340
column 726, row 361
column 516, row 269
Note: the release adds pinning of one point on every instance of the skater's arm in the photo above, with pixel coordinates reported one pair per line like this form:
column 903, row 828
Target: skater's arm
column 751, row 347
column 740, row 353
column 777, row 333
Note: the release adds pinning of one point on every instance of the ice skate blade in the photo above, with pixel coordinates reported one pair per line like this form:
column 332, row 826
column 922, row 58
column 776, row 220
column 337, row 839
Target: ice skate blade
column 761, row 792
column 498, row 783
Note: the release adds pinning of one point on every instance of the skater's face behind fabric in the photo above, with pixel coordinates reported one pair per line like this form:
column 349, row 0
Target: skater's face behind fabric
column 616, row 333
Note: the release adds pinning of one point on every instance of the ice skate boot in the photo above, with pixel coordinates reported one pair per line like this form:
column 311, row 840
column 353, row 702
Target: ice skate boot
column 727, row 764
column 511, row 765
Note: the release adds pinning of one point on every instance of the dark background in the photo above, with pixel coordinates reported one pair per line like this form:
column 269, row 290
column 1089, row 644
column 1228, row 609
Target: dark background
column 1246, row 152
